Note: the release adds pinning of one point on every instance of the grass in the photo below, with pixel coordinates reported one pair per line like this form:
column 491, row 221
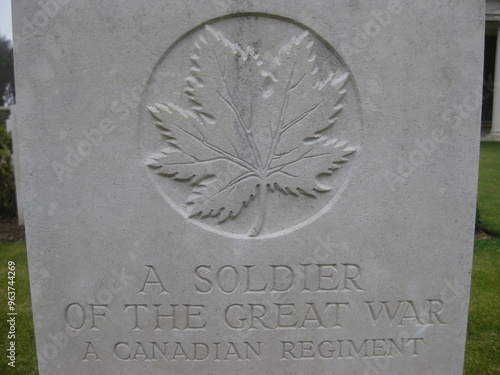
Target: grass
column 482, row 355
column 25, row 337
column 488, row 198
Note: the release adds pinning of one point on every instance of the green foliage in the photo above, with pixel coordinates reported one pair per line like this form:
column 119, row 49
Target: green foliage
column 7, row 185
column 489, row 187
column 7, row 83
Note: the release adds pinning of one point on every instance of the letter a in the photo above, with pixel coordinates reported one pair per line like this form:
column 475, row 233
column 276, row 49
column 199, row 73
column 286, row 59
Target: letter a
column 153, row 279
column 91, row 351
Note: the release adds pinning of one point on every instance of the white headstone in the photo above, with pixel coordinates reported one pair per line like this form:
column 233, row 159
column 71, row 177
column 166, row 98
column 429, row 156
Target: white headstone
column 250, row 187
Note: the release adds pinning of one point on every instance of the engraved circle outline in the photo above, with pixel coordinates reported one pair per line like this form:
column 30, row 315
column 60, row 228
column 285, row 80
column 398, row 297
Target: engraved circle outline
column 311, row 219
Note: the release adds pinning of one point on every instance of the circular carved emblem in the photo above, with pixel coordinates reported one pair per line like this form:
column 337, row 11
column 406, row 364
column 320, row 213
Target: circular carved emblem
column 251, row 126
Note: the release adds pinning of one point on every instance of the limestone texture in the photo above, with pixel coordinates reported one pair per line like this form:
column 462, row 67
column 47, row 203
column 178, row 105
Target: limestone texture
column 254, row 187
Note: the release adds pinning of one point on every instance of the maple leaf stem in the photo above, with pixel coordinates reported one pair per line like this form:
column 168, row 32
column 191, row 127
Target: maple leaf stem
column 260, row 214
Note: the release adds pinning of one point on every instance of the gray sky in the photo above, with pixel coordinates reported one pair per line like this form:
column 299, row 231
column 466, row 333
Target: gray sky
column 5, row 19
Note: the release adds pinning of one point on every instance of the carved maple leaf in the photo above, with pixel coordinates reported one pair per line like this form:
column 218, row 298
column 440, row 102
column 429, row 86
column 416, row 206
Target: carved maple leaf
column 254, row 126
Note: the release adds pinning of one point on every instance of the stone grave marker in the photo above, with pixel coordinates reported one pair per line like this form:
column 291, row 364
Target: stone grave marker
column 251, row 187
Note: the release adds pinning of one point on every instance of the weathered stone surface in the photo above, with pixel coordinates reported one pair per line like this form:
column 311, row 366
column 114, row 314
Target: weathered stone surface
column 249, row 188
